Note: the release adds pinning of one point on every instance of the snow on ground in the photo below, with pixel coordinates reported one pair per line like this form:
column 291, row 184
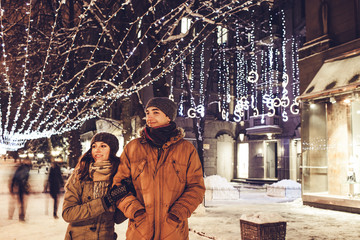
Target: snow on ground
column 219, row 220
column 286, row 183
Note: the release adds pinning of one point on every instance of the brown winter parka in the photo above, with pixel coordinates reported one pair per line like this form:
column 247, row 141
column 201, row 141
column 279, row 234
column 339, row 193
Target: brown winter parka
column 88, row 218
column 166, row 180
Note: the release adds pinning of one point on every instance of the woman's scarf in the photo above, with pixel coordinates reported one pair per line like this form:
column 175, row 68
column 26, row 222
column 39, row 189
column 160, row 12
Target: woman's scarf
column 158, row 136
column 100, row 173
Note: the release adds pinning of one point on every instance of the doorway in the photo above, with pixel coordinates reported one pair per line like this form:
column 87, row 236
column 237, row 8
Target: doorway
column 225, row 156
column 242, row 167
column 271, row 160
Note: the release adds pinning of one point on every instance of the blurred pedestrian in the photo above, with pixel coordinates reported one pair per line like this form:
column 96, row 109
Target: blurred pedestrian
column 55, row 182
column 19, row 188
column 167, row 176
column 89, row 200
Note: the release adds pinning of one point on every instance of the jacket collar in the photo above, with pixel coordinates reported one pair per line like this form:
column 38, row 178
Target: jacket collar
column 171, row 141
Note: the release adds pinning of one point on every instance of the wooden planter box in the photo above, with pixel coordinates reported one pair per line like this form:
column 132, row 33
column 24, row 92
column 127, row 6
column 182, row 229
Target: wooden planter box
column 262, row 231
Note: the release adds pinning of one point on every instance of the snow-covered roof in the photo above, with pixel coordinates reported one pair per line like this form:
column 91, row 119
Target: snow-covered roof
column 333, row 77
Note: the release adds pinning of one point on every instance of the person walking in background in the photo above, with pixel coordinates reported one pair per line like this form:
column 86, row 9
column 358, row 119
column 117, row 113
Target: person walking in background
column 19, row 188
column 89, row 200
column 167, row 176
column 55, row 182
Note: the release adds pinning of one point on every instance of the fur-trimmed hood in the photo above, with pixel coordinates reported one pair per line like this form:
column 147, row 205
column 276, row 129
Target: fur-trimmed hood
column 180, row 135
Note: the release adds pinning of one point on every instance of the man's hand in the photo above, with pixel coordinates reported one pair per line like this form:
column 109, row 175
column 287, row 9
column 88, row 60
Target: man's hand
column 139, row 213
column 174, row 218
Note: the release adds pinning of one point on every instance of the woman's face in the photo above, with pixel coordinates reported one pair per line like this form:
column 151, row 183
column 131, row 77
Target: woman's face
column 100, row 151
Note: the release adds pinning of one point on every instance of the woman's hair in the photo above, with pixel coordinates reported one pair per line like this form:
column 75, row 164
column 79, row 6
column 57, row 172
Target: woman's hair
column 86, row 159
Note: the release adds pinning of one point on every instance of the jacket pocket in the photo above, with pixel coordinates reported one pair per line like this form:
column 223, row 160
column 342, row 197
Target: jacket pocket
column 180, row 170
column 176, row 176
column 171, row 229
column 140, row 228
column 140, row 180
column 76, row 235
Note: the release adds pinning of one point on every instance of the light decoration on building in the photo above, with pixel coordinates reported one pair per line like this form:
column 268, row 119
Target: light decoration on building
column 263, row 83
column 294, row 109
column 242, row 104
column 60, row 109
column 196, row 111
column 224, row 85
column 285, row 77
column 316, row 144
column 202, row 75
column 271, row 61
column 182, row 85
column 253, row 75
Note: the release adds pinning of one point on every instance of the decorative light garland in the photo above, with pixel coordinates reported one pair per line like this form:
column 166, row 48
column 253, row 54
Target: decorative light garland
column 64, row 115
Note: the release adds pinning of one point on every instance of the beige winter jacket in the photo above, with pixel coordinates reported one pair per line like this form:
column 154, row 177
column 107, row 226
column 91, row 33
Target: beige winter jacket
column 166, row 180
column 87, row 217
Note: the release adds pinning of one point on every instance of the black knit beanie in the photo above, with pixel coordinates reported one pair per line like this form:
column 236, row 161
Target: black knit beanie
column 165, row 105
column 107, row 138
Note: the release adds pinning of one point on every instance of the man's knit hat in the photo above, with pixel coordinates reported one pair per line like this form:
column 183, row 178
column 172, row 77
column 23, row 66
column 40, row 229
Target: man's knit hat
column 107, row 138
column 166, row 105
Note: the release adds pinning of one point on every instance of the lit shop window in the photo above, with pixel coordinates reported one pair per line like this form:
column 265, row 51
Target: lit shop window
column 185, row 24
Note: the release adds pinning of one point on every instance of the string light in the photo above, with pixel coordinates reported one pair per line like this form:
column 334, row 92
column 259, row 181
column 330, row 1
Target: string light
column 23, row 89
column 59, row 108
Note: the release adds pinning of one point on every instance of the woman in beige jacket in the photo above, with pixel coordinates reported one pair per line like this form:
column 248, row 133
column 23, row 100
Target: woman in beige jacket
column 88, row 202
column 167, row 176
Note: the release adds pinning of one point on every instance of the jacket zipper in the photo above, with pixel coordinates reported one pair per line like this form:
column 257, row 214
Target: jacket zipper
column 159, row 154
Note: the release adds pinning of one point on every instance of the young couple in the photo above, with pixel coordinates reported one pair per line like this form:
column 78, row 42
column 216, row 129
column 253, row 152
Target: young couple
column 156, row 183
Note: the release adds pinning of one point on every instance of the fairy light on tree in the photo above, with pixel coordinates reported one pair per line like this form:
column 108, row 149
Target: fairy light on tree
column 72, row 73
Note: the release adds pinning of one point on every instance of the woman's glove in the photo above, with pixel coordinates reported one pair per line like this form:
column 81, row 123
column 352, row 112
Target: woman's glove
column 129, row 186
column 114, row 194
column 118, row 192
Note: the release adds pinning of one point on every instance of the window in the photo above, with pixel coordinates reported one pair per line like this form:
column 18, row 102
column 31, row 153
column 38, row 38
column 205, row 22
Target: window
column 185, row 24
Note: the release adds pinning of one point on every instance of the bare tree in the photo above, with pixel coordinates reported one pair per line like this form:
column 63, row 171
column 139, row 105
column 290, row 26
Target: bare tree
column 65, row 62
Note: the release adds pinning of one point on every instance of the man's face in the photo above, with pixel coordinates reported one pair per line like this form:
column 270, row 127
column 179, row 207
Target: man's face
column 155, row 117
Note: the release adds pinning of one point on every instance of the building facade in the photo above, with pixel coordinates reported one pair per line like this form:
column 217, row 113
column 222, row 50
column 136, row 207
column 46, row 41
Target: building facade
column 330, row 104
column 241, row 89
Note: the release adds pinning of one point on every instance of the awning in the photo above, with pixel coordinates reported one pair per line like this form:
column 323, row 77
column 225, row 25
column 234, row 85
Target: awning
column 334, row 77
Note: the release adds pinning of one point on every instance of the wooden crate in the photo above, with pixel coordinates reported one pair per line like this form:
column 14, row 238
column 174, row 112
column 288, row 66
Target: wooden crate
column 262, row 231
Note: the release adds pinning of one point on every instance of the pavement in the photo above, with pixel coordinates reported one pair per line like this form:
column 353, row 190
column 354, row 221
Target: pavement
column 214, row 219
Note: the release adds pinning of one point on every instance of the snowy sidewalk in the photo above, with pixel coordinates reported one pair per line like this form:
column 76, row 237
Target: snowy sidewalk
column 218, row 221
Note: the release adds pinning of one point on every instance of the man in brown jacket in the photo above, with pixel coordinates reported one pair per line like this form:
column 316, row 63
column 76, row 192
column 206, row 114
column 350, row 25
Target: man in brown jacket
column 167, row 176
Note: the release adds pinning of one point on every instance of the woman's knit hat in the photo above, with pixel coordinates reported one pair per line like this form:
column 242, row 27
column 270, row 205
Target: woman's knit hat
column 107, row 138
column 166, row 105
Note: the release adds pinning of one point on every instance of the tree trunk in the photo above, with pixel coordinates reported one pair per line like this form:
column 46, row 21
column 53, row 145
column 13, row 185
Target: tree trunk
column 74, row 147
